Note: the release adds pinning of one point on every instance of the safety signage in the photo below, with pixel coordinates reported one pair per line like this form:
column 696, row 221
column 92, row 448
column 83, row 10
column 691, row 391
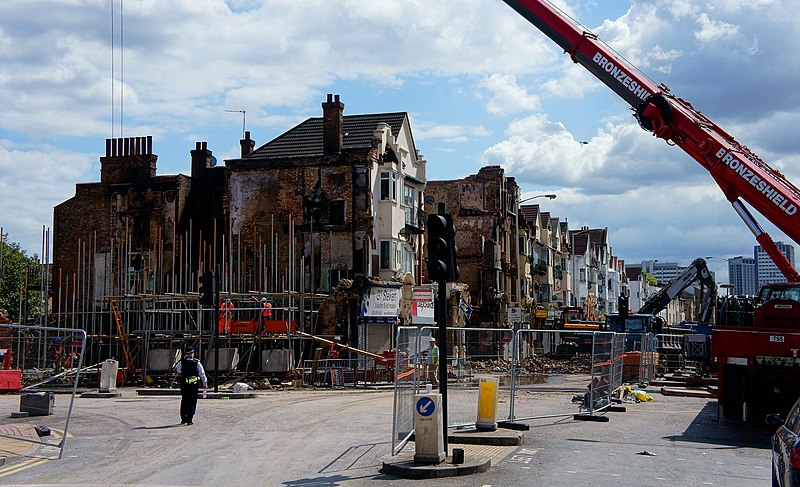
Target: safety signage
column 425, row 406
column 422, row 307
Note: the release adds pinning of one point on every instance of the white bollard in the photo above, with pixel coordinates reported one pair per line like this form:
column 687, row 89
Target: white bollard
column 428, row 440
column 108, row 376
column 488, row 389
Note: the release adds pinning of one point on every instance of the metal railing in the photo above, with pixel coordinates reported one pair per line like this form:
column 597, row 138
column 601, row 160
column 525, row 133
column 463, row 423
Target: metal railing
column 46, row 355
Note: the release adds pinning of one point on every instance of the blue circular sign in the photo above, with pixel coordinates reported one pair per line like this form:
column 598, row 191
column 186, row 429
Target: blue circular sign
column 425, row 406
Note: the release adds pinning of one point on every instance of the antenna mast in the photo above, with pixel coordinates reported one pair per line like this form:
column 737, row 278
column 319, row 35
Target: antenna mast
column 243, row 118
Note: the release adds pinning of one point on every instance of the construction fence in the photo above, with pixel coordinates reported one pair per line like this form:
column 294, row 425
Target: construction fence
column 585, row 367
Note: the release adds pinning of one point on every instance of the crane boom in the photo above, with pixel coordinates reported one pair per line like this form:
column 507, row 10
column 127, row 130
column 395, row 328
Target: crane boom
column 740, row 173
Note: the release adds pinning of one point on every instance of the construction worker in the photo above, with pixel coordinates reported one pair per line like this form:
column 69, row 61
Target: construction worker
column 432, row 363
column 191, row 375
column 225, row 315
column 266, row 313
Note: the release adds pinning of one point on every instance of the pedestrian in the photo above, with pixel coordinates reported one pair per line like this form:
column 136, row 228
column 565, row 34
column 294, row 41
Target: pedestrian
column 191, row 376
column 432, row 362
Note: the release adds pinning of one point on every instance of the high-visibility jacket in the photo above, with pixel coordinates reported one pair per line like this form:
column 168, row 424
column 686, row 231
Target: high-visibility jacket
column 266, row 309
column 225, row 312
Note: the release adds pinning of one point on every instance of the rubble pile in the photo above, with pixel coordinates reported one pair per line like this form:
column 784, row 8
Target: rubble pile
column 538, row 364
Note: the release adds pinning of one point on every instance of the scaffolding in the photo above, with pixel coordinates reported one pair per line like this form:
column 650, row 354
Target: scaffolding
column 143, row 304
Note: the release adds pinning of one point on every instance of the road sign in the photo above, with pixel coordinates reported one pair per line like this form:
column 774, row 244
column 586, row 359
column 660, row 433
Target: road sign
column 425, row 406
column 515, row 315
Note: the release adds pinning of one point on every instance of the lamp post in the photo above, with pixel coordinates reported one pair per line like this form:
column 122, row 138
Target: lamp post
column 519, row 273
column 727, row 261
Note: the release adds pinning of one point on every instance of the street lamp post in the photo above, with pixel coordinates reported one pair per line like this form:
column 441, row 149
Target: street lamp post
column 519, row 272
column 727, row 261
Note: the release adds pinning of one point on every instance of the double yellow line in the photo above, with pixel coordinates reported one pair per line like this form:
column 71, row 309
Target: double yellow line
column 18, row 467
column 31, row 462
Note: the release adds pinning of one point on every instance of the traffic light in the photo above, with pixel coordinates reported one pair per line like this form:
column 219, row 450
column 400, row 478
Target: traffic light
column 207, row 289
column 442, row 251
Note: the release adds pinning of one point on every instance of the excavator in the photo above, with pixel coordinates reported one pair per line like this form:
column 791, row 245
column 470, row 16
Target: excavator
column 758, row 365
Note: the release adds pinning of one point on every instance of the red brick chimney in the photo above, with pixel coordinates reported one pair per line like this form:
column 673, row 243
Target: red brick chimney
column 247, row 144
column 332, row 136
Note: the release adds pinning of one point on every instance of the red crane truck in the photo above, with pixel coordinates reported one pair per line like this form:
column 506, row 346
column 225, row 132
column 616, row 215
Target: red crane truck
column 755, row 364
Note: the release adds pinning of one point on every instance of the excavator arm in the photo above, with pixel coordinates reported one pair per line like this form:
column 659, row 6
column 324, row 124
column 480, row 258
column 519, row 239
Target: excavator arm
column 740, row 173
column 696, row 272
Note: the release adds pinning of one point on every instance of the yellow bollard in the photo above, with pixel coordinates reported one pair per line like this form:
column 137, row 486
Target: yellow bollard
column 488, row 389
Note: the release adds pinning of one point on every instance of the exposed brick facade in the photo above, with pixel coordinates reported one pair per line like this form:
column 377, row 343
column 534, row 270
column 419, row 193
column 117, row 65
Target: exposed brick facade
column 482, row 206
column 133, row 219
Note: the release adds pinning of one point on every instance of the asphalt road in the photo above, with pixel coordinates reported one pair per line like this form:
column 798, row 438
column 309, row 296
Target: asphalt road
column 340, row 437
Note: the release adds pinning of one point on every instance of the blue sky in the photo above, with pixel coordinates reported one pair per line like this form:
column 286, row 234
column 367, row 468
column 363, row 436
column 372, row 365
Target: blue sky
column 482, row 86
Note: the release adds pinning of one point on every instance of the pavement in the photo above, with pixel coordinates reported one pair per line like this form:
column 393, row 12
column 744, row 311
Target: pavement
column 479, row 451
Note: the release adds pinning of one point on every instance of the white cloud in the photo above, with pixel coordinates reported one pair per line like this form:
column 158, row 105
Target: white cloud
column 714, row 31
column 33, row 182
column 507, row 97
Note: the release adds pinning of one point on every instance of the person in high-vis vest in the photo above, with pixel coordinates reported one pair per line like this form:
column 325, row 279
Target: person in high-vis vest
column 266, row 314
column 432, row 363
column 225, row 315
column 192, row 376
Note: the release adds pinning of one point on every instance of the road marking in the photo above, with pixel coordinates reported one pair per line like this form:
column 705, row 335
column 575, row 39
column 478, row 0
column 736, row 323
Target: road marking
column 21, row 466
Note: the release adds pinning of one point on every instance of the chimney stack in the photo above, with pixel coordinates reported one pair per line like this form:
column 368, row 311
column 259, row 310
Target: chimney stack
column 332, row 136
column 247, row 144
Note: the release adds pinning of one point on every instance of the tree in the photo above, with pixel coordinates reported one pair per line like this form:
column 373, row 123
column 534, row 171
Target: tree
column 14, row 265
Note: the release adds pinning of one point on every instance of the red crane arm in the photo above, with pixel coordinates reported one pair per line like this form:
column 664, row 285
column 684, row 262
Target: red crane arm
column 739, row 172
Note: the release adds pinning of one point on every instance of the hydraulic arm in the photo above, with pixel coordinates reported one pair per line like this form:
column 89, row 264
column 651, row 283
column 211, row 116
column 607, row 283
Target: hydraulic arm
column 696, row 272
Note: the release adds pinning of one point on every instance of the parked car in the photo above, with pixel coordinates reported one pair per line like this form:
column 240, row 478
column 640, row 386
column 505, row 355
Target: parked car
column 786, row 449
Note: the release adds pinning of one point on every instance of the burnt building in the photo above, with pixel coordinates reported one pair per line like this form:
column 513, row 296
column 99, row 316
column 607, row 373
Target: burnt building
column 483, row 207
column 340, row 193
column 334, row 197
column 135, row 232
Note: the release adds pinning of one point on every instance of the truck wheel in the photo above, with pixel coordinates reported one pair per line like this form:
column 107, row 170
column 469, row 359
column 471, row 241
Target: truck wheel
column 732, row 400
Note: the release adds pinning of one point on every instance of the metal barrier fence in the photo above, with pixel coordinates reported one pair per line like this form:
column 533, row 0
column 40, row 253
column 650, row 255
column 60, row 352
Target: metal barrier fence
column 607, row 363
column 670, row 350
column 641, row 358
column 47, row 358
column 406, row 384
column 589, row 365
column 568, row 371
column 347, row 372
column 472, row 353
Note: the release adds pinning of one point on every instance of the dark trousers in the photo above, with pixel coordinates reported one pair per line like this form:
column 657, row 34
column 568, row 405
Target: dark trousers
column 188, row 401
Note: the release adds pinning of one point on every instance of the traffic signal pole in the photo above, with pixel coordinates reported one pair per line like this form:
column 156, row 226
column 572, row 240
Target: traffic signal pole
column 442, row 268
column 441, row 303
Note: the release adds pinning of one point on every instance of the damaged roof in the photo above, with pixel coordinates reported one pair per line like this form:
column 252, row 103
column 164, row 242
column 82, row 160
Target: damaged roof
column 305, row 139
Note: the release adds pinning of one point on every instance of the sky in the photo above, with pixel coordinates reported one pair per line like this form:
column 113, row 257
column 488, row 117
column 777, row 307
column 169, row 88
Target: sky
column 481, row 85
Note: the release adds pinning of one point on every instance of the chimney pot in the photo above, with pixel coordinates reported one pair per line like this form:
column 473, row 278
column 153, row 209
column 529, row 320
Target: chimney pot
column 332, row 121
column 247, row 144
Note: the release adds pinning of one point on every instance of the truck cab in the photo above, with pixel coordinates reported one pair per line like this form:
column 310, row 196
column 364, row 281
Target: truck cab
column 778, row 306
